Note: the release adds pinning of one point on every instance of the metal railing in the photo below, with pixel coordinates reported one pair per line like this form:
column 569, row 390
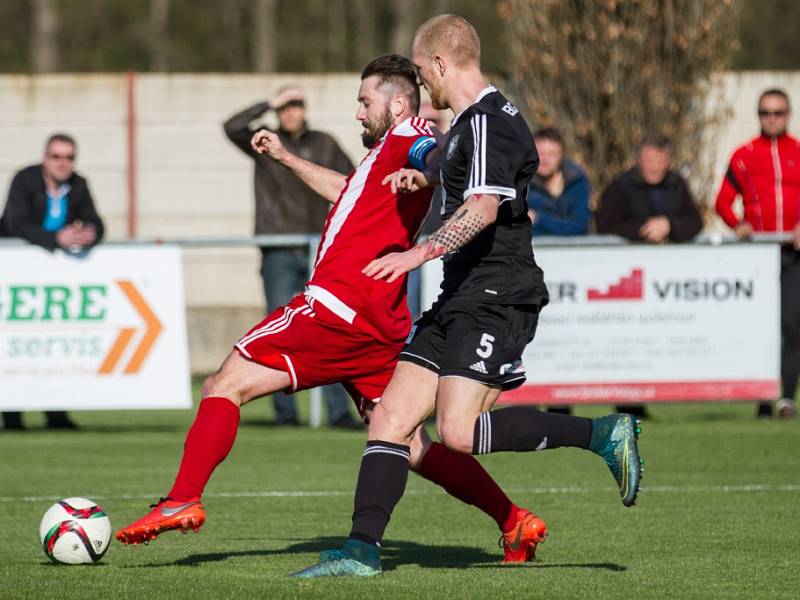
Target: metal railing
column 312, row 241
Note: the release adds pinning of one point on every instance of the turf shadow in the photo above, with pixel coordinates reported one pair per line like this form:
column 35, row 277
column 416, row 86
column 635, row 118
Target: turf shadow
column 393, row 554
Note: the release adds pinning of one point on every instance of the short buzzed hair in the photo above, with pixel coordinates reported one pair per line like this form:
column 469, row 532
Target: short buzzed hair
column 775, row 92
column 657, row 141
column 550, row 133
column 451, row 36
column 399, row 73
column 60, row 137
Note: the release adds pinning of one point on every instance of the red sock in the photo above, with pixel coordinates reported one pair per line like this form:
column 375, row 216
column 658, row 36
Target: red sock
column 208, row 442
column 463, row 477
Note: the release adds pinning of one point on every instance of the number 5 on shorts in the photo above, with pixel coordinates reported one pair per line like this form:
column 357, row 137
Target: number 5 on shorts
column 485, row 347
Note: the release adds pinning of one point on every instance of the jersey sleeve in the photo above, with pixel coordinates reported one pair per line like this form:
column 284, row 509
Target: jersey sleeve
column 496, row 158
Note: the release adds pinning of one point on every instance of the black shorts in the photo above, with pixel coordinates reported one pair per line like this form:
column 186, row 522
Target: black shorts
column 478, row 341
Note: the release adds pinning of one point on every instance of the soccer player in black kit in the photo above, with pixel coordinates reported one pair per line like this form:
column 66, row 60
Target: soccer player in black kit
column 467, row 348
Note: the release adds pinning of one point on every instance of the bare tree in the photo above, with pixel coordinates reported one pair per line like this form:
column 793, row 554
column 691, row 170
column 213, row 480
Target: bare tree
column 404, row 18
column 365, row 25
column 264, row 43
column 608, row 72
column 44, row 36
column 157, row 35
column 231, row 44
column 337, row 35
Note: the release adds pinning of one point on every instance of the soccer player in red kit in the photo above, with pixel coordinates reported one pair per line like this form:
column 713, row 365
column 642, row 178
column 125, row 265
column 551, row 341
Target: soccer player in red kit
column 345, row 327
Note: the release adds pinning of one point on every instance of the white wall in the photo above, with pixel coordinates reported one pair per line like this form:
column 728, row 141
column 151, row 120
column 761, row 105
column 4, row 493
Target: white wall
column 191, row 180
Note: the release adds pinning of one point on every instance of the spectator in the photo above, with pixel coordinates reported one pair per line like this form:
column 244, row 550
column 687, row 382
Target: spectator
column 558, row 195
column 649, row 203
column 50, row 205
column 765, row 172
column 285, row 205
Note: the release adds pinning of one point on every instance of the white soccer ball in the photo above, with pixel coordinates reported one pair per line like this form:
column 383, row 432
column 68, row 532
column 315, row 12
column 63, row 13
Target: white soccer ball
column 75, row 531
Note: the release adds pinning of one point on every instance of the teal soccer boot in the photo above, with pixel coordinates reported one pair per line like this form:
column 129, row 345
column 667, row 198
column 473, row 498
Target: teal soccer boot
column 614, row 439
column 355, row 559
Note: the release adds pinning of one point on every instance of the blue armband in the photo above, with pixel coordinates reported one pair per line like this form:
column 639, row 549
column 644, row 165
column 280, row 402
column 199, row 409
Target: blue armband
column 419, row 150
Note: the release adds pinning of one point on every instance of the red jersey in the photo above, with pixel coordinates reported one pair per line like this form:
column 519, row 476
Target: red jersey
column 366, row 222
column 766, row 173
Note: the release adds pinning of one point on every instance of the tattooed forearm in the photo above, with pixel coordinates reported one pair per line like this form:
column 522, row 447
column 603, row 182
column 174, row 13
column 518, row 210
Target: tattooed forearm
column 467, row 222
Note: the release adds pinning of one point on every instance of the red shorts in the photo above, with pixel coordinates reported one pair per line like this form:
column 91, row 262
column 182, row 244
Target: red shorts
column 316, row 347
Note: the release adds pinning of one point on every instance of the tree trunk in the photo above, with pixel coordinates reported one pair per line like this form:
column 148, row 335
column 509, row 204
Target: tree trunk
column 337, row 35
column 264, row 42
column 404, row 17
column 364, row 11
column 157, row 35
column 44, row 33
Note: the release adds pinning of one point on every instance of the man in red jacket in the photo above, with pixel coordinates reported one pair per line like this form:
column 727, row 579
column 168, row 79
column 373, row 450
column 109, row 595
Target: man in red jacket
column 765, row 172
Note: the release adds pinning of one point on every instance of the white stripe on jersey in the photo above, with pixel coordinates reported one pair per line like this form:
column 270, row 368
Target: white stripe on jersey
column 292, row 372
column 477, row 176
column 483, row 150
column 348, row 201
column 412, row 127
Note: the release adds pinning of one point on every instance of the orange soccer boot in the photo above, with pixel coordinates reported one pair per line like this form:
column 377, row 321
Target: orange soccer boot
column 167, row 514
column 520, row 542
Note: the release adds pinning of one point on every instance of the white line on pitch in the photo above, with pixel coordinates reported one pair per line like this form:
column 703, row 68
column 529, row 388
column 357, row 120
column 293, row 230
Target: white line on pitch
column 742, row 488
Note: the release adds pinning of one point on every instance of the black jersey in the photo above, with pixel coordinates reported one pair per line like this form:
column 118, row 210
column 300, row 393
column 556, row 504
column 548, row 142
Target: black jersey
column 490, row 150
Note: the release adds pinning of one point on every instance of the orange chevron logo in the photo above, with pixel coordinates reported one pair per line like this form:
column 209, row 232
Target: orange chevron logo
column 153, row 329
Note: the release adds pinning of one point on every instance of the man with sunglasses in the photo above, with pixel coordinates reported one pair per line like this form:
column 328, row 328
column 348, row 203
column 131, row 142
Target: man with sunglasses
column 765, row 172
column 50, row 205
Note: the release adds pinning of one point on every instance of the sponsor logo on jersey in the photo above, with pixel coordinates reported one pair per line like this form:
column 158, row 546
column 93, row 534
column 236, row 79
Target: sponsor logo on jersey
column 510, row 109
column 480, row 367
column 451, row 146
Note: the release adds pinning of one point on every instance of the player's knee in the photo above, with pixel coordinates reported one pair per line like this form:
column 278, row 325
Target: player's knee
column 389, row 426
column 219, row 385
column 455, row 436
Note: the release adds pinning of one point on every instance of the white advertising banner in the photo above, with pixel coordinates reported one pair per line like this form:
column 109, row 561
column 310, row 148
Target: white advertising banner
column 106, row 331
column 645, row 323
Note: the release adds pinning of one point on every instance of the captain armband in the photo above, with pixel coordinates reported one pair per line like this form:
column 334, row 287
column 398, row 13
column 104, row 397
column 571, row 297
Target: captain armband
column 419, row 150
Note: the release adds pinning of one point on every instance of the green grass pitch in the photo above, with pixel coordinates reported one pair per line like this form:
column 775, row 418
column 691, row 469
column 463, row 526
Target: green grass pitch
column 719, row 515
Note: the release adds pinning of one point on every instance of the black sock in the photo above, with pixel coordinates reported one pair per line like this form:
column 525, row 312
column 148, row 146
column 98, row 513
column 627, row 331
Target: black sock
column 522, row 429
column 381, row 483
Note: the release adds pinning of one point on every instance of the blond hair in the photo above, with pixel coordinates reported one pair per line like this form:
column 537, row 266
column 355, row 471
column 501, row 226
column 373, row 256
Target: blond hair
column 451, row 36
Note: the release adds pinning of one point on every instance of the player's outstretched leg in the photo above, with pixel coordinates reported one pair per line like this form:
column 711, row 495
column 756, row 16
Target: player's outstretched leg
column 521, row 429
column 615, row 440
column 208, row 442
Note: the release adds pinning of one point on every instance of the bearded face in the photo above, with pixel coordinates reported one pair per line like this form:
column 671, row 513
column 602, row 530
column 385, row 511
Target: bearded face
column 375, row 127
